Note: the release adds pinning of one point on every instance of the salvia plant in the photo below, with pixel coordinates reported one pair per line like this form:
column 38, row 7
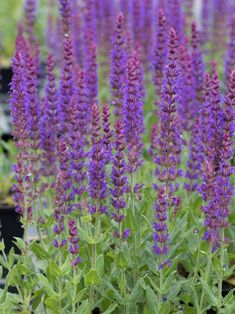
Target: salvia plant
column 123, row 122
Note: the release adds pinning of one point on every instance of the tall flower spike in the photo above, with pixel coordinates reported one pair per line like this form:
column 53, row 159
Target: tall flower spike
column 160, row 229
column 154, row 140
column 230, row 52
column 66, row 13
column 224, row 185
column 84, row 109
column 195, row 159
column 118, row 176
column 159, row 56
column 198, row 65
column 91, row 73
column 187, row 110
column 205, row 115
column 108, row 133
column 20, row 133
column 60, row 211
column 97, row 174
column 66, row 86
column 216, row 126
column 133, row 113
column 136, row 21
column 205, row 20
column 118, row 65
column 76, row 156
column 74, row 242
column 30, row 19
column 170, row 142
column 148, row 8
column 49, row 122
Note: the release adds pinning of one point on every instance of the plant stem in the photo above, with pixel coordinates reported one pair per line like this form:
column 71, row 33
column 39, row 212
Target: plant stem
column 220, row 279
column 208, row 268
column 135, row 234
column 160, row 287
column 74, row 305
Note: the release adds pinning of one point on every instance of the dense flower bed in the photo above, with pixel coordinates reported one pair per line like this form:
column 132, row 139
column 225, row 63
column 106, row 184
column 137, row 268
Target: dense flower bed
column 124, row 158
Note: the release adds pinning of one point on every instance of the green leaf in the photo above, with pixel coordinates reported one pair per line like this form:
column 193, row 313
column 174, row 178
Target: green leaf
column 208, row 292
column 54, row 270
column 111, row 308
column 229, row 297
column 121, row 260
column 19, row 243
column 51, row 303
column 152, row 300
column 85, row 236
column 39, row 251
column 100, row 265
column 84, row 308
column 2, row 246
column 46, row 284
column 37, row 298
column 92, row 278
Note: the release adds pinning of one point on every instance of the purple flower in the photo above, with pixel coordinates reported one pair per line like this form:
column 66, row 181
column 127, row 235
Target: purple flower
column 30, row 19
column 198, row 65
column 160, row 230
column 66, row 87
column 49, row 123
column 159, row 56
column 195, row 159
column 216, row 125
column 73, row 242
column 66, row 13
column 83, row 108
column 230, row 52
column 187, row 106
column 108, row 133
column 118, row 65
column 133, row 113
column 91, row 73
column 118, row 175
column 154, row 140
column 97, row 175
column 170, row 142
column 60, row 209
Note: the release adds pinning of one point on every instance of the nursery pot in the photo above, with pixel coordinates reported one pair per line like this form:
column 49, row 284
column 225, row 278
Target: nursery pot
column 5, row 79
column 10, row 226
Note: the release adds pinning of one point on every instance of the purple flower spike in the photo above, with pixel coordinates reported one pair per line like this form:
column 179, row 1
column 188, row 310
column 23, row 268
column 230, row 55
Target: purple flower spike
column 230, row 53
column 60, row 210
column 195, row 159
column 160, row 235
column 216, row 126
column 97, row 178
column 198, row 65
column 108, row 133
column 30, row 19
column 91, row 73
column 187, row 109
column 118, row 65
column 159, row 56
column 66, row 13
column 133, row 113
column 154, row 140
column 73, row 242
column 118, row 175
column 66, row 86
column 170, row 142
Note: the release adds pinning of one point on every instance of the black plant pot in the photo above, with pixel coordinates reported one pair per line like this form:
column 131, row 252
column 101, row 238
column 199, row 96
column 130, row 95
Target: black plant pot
column 5, row 79
column 10, row 226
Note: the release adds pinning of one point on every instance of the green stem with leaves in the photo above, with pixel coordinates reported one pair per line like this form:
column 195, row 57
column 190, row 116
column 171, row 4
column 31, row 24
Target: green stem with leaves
column 220, row 279
column 135, row 234
column 207, row 273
